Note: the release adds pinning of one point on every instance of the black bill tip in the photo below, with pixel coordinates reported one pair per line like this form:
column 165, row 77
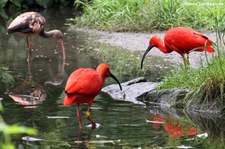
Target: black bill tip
column 143, row 57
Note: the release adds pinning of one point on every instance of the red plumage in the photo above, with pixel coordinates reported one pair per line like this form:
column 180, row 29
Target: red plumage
column 85, row 82
column 83, row 85
column 182, row 40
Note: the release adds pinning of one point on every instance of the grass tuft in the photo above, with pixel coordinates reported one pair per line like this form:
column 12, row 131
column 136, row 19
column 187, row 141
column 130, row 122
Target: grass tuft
column 149, row 15
column 193, row 79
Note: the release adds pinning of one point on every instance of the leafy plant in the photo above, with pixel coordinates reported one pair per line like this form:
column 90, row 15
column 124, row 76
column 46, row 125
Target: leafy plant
column 6, row 78
column 7, row 130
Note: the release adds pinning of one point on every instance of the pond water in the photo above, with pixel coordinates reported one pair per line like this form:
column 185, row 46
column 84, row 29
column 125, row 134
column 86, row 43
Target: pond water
column 35, row 100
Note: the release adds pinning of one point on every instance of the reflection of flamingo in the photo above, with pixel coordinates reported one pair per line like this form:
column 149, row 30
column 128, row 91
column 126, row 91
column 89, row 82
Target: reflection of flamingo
column 29, row 100
column 30, row 92
column 58, row 79
column 31, row 23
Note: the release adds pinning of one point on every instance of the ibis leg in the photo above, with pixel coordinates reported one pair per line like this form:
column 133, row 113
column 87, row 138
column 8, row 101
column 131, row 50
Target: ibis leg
column 78, row 116
column 186, row 61
column 88, row 113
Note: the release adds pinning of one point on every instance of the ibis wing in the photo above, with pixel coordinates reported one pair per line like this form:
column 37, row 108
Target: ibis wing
column 84, row 81
column 183, row 40
column 203, row 41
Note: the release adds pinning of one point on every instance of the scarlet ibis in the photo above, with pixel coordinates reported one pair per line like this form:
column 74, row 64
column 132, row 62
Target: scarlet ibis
column 181, row 40
column 32, row 23
column 83, row 85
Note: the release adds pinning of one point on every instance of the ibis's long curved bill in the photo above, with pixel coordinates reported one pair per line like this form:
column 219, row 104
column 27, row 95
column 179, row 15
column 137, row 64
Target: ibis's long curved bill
column 112, row 76
column 143, row 57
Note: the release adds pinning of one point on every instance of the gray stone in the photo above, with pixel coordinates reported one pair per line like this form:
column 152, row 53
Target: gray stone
column 131, row 89
column 166, row 98
column 139, row 91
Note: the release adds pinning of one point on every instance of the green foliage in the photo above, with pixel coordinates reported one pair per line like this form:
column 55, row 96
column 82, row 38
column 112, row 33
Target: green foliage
column 53, row 3
column 180, row 13
column 23, row 4
column 3, row 3
column 206, row 85
column 112, row 14
column 11, row 4
column 7, row 130
column 6, row 79
column 148, row 15
column 195, row 79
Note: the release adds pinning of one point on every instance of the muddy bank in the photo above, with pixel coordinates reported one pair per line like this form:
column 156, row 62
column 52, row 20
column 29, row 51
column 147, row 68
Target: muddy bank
column 139, row 42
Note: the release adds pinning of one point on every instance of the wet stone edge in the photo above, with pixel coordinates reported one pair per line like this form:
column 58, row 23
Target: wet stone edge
column 140, row 91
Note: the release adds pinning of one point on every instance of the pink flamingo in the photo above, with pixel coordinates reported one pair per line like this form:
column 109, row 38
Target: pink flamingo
column 32, row 23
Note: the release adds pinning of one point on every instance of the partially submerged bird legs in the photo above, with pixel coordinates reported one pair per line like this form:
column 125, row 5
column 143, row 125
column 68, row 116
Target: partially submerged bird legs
column 87, row 115
column 29, row 44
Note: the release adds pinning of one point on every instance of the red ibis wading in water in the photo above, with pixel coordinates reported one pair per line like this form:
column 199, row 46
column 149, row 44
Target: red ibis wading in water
column 83, row 85
column 181, row 40
column 32, row 23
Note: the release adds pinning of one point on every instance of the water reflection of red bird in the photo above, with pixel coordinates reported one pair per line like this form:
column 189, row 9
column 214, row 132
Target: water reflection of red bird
column 177, row 130
column 172, row 126
column 32, row 23
column 83, row 85
column 181, row 40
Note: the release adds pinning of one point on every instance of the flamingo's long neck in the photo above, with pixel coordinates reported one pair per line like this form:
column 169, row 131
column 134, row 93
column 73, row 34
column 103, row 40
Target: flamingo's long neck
column 57, row 34
column 51, row 34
